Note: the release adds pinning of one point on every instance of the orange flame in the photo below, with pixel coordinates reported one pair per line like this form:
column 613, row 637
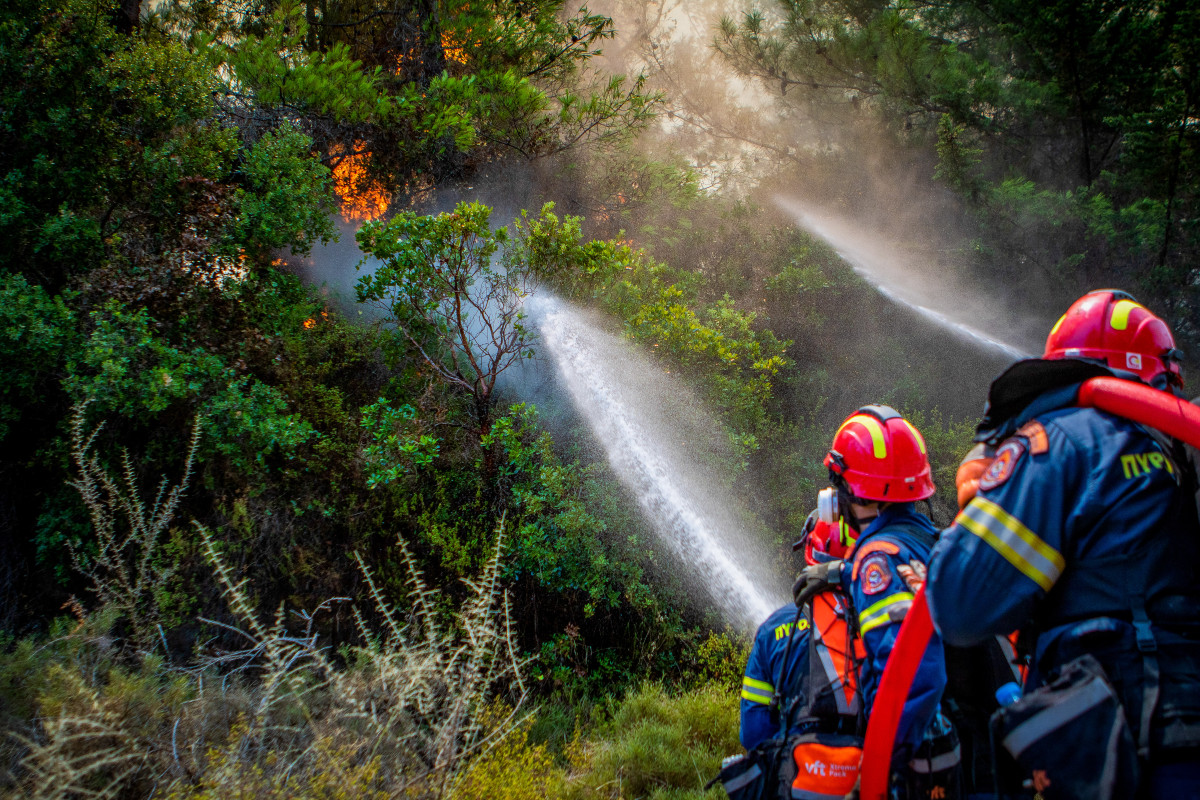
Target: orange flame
column 405, row 59
column 363, row 196
column 454, row 50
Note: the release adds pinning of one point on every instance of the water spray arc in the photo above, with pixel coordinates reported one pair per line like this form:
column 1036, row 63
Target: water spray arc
column 890, row 279
column 611, row 388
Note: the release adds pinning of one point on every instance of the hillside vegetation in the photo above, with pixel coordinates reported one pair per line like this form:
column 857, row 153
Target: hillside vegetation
column 251, row 546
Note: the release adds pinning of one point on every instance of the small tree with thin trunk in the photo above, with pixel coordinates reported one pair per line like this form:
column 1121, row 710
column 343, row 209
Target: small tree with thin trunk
column 454, row 287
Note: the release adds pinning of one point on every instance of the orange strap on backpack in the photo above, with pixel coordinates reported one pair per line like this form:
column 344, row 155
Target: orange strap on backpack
column 973, row 465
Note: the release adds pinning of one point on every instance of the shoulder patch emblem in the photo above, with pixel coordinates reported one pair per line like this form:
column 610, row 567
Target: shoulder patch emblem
column 1036, row 434
column 1002, row 467
column 877, row 546
column 876, row 574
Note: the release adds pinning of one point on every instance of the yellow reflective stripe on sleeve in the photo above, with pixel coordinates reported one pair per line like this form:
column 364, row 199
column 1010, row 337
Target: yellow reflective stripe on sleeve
column 878, row 613
column 755, row 684
column 1009, row 537
column 757, row 691
column 756, row 698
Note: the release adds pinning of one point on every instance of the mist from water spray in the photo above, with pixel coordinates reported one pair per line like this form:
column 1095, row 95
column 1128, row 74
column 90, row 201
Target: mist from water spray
column 649, row 425
column 628, row 402
column 731, row 117
column 902, row 282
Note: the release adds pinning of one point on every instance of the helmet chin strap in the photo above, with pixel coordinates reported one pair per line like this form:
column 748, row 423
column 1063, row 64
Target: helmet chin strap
column 853, row 524
column 845, row 509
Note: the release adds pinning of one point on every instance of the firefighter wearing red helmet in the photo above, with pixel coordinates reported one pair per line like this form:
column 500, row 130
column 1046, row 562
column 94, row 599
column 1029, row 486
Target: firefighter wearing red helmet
column 1113, row 328
column 1083, row 534
column 803, row 710
column 879, row 468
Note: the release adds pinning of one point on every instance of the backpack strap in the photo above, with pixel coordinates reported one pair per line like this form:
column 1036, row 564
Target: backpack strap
column 784, row 688
column 1148, row 647
column 826, row 696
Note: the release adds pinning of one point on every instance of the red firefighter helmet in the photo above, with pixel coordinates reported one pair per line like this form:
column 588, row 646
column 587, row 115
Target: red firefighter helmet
column 1112, row 327
column 878, row 455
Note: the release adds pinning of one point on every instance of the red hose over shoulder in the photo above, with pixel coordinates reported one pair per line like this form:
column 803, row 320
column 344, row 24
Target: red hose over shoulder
column 1142, row 404
column 898, row 675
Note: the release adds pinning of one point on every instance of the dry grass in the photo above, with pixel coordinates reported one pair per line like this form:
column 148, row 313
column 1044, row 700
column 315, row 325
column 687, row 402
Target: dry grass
column 402, row 715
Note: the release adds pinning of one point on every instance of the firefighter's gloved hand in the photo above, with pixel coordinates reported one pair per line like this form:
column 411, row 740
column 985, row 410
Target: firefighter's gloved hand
column 966, row 480
column 816, row 578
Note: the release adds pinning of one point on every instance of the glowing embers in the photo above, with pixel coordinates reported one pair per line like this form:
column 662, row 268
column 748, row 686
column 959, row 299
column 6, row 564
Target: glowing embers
column 454, row 51
column 363, row 196
column 605, row 213
column 311, row 322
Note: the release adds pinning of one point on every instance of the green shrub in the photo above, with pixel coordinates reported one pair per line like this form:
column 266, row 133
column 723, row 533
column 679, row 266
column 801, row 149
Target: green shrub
column 288, row 196
column 36, row 331
column 657, row 746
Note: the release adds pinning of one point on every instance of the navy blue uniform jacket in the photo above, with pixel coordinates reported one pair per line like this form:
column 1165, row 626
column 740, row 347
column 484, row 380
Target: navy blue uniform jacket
column 887, row 569
column 760, row 718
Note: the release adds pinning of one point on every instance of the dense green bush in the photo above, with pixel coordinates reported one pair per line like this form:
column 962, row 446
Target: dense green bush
column 657, row 746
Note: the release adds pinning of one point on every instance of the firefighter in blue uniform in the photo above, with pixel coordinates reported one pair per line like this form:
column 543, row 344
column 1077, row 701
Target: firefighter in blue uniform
column 764, row 693
column 764, row 673
column 802, row 724
column 879, row 467
column 1083, row 536
column 854, row 594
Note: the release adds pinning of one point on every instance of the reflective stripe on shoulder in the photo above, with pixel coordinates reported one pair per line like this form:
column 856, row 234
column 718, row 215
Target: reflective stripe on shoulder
column 886, row 610
column 757, row 691
column 1009, row 537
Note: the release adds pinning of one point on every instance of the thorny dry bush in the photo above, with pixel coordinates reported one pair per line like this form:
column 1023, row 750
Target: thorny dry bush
column 126, row 571
column 398, row 716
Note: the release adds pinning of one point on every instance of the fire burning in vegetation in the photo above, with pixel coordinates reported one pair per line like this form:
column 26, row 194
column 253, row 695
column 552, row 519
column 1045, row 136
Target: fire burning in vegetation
column 362, row 195
column 311, row 322
column 454, row 51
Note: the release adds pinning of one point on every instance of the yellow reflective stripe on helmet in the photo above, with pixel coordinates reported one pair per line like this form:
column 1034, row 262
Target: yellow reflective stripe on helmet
column 917, row 434
column 874, row 428
column 880, row 613
column 1120, row 314
column 1009, row 537
column 1057, row 325
column 757, row 691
